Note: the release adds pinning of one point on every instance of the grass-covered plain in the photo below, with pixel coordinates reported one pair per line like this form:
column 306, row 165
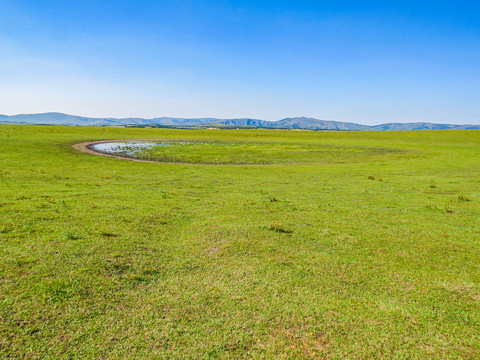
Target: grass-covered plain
column 367, row 256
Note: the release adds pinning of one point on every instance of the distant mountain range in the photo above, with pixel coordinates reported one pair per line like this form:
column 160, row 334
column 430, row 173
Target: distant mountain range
column 288, row 123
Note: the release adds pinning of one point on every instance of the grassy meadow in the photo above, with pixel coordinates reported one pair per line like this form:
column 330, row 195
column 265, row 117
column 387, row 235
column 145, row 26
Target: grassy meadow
column 267, row 245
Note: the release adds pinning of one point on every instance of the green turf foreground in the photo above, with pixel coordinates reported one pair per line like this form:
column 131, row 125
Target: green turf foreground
column 362, row 253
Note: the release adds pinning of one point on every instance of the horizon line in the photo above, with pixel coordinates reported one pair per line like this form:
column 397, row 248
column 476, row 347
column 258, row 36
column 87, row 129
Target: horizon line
column 235, row 118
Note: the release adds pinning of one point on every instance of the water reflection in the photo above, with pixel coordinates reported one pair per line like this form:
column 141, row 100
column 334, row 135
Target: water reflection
column 125, row 148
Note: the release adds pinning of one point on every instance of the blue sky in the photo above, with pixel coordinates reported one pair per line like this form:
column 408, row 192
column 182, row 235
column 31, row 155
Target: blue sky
column 362, row 61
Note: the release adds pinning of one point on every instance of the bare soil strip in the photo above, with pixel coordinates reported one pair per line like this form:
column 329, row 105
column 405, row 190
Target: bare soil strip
column 87, row 147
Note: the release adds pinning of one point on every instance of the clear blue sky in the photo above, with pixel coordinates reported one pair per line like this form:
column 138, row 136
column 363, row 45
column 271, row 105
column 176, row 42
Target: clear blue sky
column 361, row 61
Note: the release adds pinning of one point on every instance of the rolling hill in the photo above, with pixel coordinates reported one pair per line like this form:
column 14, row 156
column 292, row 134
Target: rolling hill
column 54, row 118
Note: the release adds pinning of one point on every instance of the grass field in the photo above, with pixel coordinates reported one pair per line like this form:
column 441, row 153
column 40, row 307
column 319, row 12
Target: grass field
column 365, row 245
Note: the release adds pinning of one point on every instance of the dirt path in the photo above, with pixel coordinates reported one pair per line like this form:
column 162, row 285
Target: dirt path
column 87, row 147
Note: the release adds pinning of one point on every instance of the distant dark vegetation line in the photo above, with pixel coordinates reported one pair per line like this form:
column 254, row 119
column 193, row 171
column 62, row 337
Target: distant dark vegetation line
column 300, row 123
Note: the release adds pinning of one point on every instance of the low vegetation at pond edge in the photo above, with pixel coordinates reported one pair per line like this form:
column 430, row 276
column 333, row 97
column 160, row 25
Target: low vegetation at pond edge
column 244, row 153
column 342, row 245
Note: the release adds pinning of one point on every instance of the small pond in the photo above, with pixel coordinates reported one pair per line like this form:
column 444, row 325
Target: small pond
column 243, row 153
column 127, row 148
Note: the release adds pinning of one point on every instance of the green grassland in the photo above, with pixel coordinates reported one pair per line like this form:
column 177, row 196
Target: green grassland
column 337, row 245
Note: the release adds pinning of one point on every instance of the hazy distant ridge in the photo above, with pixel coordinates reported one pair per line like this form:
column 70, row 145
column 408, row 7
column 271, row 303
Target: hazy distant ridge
column 288, row 123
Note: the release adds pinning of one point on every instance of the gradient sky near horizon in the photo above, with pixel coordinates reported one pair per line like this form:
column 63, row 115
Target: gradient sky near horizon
column 369, row 62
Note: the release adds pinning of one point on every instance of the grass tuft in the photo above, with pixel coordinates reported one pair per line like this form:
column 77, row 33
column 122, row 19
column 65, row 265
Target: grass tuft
column 280, row 228
column 72, row 236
